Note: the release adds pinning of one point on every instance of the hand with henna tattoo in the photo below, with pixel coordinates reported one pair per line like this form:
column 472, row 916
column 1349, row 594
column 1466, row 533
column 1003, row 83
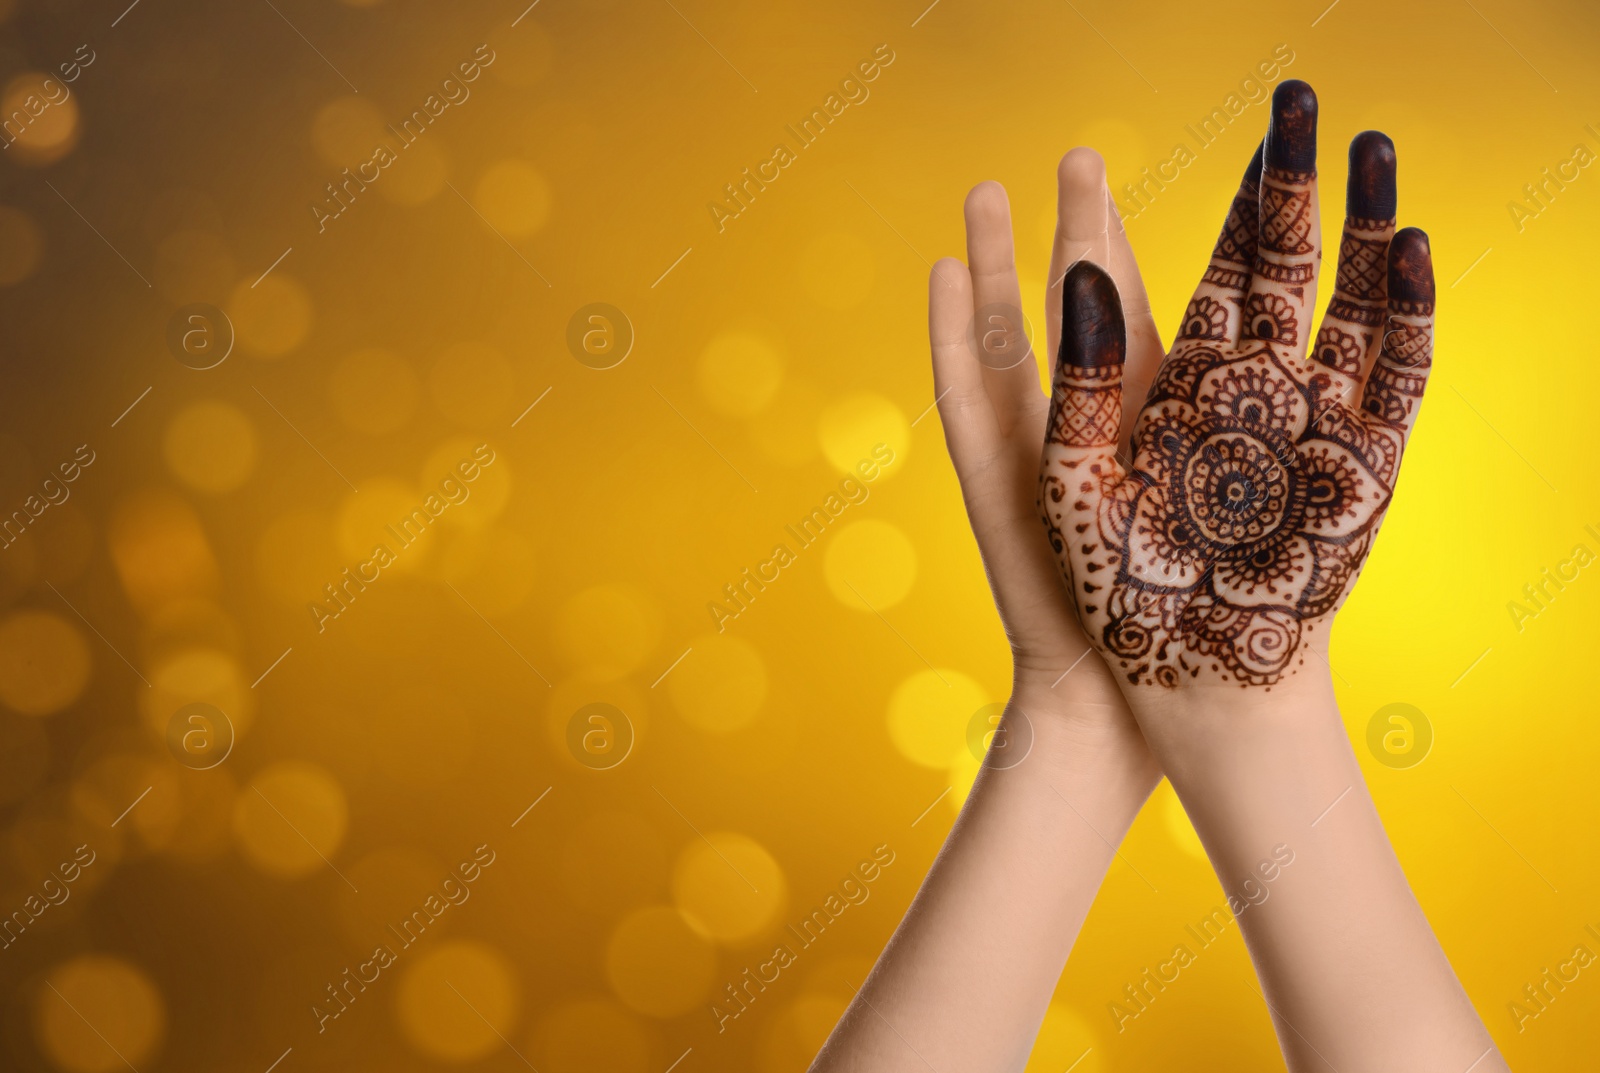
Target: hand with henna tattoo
column 1207, row 553
column 1215, row 546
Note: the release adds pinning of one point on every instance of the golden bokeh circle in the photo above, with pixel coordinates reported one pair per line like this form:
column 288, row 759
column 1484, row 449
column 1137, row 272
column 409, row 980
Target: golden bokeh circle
column 270, row 316
column 457, row 1002
column 514, row 197
column 197, row 674
column 837, row 270
column 373, row 391
column 738, row 373
column 291, row 819
column 608, row 630
column 384, row 515
column 658, row 965
column 160, row 550
column 417, row 176
column 721, row 684
column 727, row 886
column 21, row 245
column 870, row 565
column 102, row 790
column 472, row 503
column 50, row 109
column 210, row 446
column 346, row 130
column 390, row 884
column 98, row 1013
column 44, row 662
column 865, row 428
column 929, row 713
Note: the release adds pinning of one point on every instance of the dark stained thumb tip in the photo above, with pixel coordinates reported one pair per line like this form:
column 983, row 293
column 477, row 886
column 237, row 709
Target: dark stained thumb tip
column 1292, row 134
column 1370, row 194
column 1092, row 331
column 1410, row 266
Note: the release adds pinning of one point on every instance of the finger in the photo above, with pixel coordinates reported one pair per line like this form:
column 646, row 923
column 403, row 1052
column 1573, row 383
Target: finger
column 1216, row 310
column 1346, row 341
column 970, row 430
column 1080, row 447
column 1089, row 228
column 1394, row 387
column 1283, row 277
column 1003, row 351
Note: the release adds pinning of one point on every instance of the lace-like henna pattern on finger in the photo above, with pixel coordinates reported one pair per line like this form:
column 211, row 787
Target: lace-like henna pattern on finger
column 1089, row 415
column 1286, row 220
column 1394, row 387
column 1363, row 261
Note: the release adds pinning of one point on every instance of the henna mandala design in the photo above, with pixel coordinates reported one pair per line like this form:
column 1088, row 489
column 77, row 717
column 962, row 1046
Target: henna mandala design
column 1235, row 524
column 1271, row 318
column 1206, row 318
column 1339, row 350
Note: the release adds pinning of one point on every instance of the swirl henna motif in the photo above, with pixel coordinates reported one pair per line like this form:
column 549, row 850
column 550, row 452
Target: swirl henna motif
column 1257, row 476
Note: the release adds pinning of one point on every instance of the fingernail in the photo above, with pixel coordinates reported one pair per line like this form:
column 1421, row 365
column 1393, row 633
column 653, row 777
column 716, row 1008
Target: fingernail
column 1092, row 331
column 1410, row 267
column 1292, row 134
column 1370, row 194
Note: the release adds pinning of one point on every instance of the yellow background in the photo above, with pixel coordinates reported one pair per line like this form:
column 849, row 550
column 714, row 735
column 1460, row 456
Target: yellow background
column 427, row 718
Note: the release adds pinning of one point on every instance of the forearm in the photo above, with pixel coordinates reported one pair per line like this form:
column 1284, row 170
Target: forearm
column 965, row 980
column 1347, row 961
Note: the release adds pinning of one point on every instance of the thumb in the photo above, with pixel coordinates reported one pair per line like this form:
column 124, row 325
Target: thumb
column 1080, row 462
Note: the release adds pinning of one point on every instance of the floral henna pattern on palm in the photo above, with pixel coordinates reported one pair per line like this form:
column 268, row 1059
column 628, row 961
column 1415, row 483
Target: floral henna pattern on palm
column 1256, row 483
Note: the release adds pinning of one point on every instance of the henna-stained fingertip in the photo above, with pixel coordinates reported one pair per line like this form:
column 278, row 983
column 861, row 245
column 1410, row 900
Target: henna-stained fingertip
column 1370, row 194
column 1092, row 331
column 1411, row 267
column 1292, row 135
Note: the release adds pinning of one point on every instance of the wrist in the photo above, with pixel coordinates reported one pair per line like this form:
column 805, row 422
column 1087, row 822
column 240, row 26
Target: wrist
column 1284, row 755
column 1085, row 748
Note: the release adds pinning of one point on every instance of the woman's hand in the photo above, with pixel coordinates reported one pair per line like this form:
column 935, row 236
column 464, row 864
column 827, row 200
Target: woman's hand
column 1211, row 562
column 1259, row 474
column 994, row 413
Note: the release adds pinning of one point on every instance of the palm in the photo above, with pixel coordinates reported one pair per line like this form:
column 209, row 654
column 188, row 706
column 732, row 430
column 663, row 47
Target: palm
column 1258, row 475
